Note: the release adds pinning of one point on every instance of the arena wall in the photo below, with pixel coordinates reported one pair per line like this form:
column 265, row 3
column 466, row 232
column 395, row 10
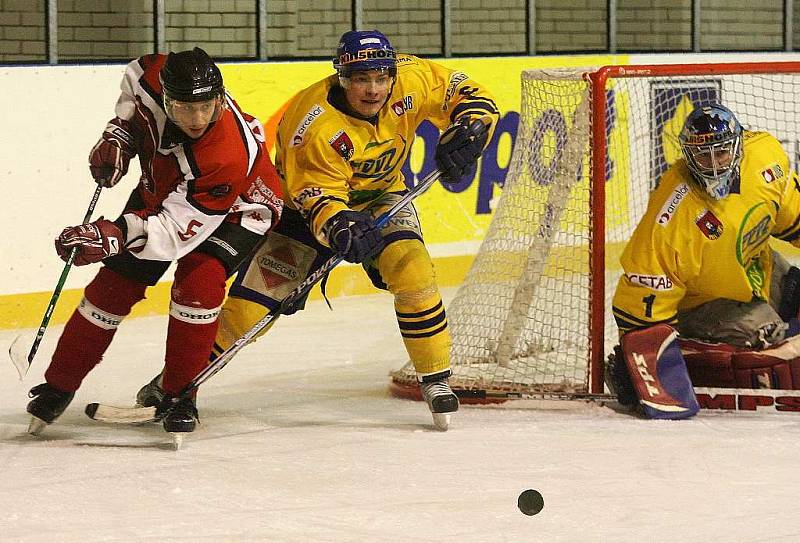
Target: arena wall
column 57, row 113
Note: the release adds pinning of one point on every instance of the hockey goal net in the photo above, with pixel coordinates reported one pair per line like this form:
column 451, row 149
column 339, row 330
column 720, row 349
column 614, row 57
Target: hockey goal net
column 533, row 316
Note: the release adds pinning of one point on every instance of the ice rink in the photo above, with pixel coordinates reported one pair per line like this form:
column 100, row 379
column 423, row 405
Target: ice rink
column 300, row 441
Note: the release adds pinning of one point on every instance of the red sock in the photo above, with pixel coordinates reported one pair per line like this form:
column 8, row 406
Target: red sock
column 90, row 329
column 197, row 295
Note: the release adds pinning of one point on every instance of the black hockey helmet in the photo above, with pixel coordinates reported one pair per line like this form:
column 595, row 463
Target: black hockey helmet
column 191, row 76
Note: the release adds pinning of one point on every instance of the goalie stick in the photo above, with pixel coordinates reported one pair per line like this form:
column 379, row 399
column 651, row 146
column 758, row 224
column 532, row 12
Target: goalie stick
column 136, row 415
column 16, row 350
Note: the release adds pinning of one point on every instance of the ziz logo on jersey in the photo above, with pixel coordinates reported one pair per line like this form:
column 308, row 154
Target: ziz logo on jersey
column 772, row 173
column 401, row 106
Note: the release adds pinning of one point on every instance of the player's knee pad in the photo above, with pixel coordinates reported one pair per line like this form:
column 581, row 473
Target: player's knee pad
column 237, row 317
column 199, row 281
column 717, row 365
column 407, row 271
column 198, row 289
column 106, row 311
column 658, row 373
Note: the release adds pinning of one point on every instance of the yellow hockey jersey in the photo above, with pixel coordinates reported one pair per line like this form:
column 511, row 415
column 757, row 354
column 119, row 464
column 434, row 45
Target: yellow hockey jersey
column 329, row 161
column 689, row 249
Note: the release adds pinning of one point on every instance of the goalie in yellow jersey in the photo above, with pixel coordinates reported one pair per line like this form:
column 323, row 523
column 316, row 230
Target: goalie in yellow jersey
column 699, row 267
column 340, row 148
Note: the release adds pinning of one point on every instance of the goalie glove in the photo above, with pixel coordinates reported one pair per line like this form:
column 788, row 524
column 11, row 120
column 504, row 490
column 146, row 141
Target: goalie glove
column 109, row 158
column 95, row 241
column 460, row 147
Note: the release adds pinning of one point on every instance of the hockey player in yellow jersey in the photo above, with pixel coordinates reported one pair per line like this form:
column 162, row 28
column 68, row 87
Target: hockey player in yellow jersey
column 699, row 266
column 341, row 145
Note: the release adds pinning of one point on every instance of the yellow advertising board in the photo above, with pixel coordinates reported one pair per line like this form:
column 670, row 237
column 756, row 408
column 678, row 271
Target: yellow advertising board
column 454, row 221
column 264, row 89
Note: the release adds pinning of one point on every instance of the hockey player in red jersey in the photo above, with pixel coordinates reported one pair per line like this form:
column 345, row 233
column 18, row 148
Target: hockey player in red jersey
column 207, row 194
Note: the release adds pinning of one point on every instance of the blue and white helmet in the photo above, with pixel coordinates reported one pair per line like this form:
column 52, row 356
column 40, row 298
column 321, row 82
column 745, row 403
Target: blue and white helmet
column 711, row 141
column 363, row 50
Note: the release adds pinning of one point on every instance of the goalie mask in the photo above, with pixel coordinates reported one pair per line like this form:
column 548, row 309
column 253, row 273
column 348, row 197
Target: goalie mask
column 192, row 86
column 364, row 50
column 711, row 141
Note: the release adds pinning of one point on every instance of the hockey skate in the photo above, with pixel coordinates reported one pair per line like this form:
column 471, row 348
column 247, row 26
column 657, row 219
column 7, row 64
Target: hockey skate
column 440, row 399
column 179, row 417
column 46, row 406
column 151, row 394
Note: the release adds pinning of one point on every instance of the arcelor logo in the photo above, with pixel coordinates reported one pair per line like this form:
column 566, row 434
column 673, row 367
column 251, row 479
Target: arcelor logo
column 315, row 111
column 671, row 206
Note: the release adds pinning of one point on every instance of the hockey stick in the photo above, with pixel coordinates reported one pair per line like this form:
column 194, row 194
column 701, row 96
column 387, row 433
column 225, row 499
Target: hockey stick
column 135, row 415
column 16, row 350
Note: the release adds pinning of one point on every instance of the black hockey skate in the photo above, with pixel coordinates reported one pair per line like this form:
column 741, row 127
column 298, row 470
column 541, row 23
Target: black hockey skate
column 178, row 416
column 618, row 379
column 151, row 394
column 440, row 398
column 46, row 406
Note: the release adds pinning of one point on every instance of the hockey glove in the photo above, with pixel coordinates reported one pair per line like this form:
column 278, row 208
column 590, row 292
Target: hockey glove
column 109, row 158
column 95, row 241
column 354, row 236
column 459, row 148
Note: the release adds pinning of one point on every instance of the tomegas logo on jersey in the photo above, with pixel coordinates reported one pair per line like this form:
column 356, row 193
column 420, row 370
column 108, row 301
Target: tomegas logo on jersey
column 315, row 111
column 672, row 204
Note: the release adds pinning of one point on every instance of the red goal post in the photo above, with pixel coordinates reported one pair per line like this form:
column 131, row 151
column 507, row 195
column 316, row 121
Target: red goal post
column 532, row 318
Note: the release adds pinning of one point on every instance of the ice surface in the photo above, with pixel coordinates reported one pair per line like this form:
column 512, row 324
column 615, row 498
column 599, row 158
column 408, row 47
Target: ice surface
column 300, row 441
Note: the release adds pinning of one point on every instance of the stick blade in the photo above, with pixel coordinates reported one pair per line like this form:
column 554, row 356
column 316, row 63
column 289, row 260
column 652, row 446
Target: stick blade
column 120, row 415
column 18, row 352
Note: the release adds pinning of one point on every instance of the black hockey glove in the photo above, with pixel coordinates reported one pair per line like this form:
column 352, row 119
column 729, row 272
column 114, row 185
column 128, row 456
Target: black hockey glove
column 459, row 148
column 354, row 236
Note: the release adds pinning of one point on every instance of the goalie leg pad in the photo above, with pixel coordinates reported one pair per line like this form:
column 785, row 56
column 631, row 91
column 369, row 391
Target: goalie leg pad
column 658, row 373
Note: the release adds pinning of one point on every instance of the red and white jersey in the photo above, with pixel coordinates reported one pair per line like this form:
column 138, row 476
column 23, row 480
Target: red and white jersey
column 189, row 187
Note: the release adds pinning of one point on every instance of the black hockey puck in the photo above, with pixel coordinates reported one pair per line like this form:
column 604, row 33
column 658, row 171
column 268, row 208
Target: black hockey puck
column 530, row 502
column 91, row 409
